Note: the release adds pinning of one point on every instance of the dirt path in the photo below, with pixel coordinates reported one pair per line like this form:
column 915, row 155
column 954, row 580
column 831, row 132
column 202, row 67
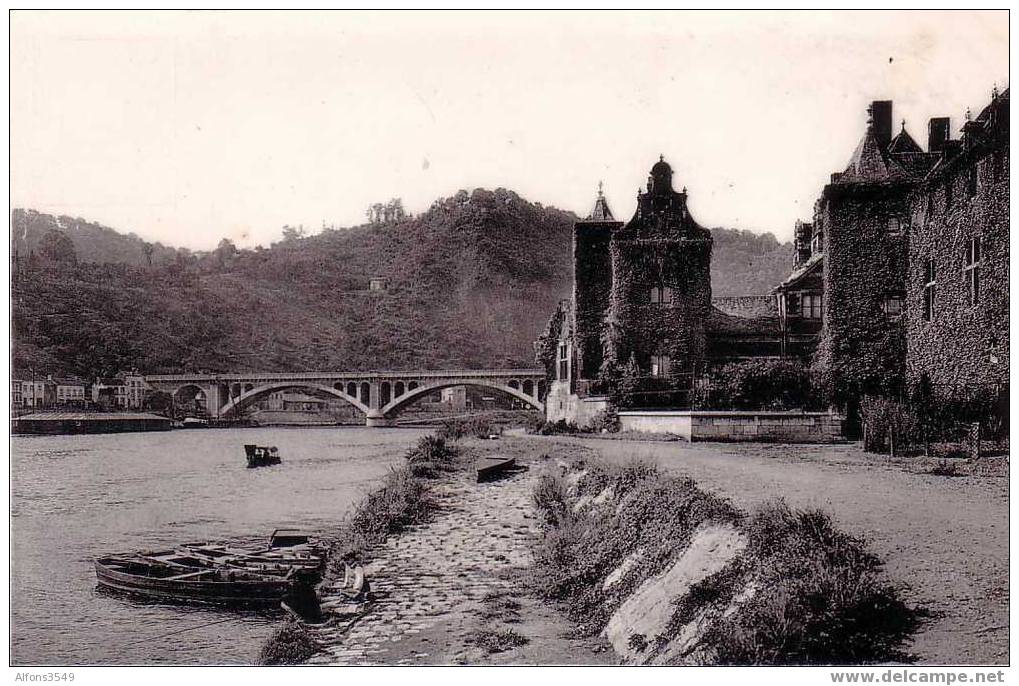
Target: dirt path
column 946, row 538
column 437, row 585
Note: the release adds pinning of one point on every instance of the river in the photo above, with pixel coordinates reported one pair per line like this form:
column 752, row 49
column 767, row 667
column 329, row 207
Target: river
column 74, row 498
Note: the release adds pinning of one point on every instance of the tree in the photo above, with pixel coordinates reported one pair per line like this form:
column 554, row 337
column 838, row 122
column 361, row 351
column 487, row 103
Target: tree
column 56, row 247
column 291, row 233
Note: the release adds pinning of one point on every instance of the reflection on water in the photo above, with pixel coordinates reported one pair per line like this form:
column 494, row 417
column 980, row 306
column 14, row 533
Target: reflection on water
column 74, row 498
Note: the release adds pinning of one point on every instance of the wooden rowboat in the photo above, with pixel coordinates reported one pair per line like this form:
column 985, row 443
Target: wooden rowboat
column 261, row 456
column 492, row 467
column 150, row 578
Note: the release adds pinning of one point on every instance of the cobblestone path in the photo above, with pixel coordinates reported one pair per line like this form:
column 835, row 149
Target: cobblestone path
column 433, row 573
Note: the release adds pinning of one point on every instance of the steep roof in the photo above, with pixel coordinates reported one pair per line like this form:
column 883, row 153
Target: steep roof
column 601, row 211
column 813, row 263
column 869, row 162
column 903, row 143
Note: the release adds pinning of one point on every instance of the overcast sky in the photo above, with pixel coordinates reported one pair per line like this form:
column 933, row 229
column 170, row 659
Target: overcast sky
column 187, row 128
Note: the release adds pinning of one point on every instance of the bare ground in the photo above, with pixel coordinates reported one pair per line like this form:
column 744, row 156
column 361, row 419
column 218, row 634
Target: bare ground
column 945, row 539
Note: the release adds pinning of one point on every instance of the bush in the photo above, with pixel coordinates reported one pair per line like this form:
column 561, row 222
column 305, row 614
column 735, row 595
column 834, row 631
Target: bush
column 430, row 457
column 401, row 501
column 913, row 424
column 477, row 426
column 756, row 385
column 289, row 645
column 819, row 596
column 496, row 640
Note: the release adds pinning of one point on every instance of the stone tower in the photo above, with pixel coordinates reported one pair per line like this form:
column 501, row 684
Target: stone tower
column 661, row 283
column 592, row 284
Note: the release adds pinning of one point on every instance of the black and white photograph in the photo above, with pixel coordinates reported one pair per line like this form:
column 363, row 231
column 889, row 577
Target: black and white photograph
column 491, row 338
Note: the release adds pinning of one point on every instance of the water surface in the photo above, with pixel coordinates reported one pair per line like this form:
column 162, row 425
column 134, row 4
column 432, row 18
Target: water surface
column 75, row 498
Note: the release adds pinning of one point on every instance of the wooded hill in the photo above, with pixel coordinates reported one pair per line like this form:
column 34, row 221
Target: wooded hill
column 470, row 283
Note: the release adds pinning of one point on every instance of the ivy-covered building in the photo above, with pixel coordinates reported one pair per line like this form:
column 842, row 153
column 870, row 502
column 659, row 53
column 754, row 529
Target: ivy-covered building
column 957, row 282
column 641, row 313
column 903, row 273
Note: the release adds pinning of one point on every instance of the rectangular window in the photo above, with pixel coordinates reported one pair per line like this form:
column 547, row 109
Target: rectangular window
column 894, row 226
column 563, row 361
column 659, row 365
column 893, row 306
column 929, row 291
column 661, row 295
column 813, row 306
column 971, row 269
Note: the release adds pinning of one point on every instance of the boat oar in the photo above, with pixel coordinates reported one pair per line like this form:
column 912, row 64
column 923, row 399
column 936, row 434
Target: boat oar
column 180, row 631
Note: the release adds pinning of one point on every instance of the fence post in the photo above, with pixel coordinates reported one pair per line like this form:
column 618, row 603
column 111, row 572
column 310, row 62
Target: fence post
column 974, row 441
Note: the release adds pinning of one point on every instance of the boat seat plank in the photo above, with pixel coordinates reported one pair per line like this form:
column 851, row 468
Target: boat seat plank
column 188, row 575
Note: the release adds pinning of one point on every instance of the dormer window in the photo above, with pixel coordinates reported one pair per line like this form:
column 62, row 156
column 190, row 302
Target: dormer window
column 661, row 295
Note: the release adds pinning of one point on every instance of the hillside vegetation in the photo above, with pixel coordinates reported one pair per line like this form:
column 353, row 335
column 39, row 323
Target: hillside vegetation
column 471, row 283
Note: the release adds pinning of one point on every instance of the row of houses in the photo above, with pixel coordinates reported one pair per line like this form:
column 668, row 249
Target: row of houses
column 126, row 391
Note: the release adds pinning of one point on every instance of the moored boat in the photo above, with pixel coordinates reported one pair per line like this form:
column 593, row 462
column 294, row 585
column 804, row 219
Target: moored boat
column 156, row 579
column 492, row 467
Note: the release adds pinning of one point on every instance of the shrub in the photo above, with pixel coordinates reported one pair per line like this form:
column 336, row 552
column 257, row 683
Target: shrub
column 402, row 500
column 288, row 645
column 559, row 427
column 756, row 385
column 430, row 457
column 477, row 426
column 820, row 598
column 496, row 640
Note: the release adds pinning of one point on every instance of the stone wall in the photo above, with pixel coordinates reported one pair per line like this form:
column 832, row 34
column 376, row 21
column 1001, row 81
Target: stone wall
column 778, row 427
column 561, row 404
column 965, row 345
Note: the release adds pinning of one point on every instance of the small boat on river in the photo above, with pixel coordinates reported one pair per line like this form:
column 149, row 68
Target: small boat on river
column 156, row 579
column 261, row 456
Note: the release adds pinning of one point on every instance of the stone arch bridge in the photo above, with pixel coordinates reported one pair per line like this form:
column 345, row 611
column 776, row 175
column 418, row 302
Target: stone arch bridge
column 381, row 396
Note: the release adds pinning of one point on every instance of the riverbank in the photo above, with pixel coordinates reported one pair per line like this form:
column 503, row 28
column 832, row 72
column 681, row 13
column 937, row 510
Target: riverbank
column 458, row 589
column 943, row 538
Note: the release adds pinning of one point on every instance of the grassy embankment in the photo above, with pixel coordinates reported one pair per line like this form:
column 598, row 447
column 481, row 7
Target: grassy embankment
column 674, row 575
column 405, row 498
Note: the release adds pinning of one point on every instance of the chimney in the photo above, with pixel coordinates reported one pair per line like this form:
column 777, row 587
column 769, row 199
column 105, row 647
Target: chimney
column 802, row 233
column 881, row 121
column 938, row 133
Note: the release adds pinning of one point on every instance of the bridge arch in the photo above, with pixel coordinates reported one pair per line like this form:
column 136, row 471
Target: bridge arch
column 261, row 391
column 416, row 391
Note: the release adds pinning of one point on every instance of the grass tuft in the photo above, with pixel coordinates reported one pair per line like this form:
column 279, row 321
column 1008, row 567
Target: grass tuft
column 496, row 640
column 288, row 645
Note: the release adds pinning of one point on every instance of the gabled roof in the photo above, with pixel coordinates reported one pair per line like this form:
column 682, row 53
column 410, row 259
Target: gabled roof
column 813, row 263
column 903, row 143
